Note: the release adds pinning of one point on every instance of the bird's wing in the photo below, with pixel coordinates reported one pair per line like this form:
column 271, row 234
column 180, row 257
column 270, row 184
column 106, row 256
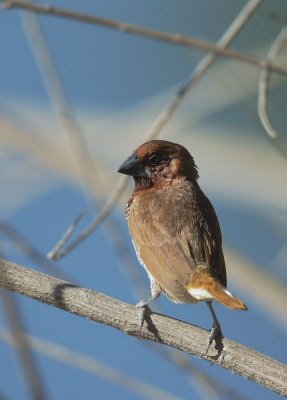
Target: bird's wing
column 211, row 241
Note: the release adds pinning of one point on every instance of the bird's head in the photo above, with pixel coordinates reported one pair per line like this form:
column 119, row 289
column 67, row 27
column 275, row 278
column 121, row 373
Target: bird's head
column 157, row 163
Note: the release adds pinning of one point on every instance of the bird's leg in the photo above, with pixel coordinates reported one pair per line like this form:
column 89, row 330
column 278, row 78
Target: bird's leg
column 143, row 304
column 216, row 329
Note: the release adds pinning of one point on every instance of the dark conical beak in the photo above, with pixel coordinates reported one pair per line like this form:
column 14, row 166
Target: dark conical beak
column 132, row 166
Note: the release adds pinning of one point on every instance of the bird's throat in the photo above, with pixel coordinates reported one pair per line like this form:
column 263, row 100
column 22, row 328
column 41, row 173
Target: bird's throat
column 142, row 183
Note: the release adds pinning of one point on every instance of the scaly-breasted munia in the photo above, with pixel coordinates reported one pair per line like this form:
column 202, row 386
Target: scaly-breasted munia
column 175, row 230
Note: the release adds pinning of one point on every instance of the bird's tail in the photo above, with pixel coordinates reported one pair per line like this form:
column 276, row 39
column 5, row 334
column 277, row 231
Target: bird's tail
column 202, row 286
column 224, row 297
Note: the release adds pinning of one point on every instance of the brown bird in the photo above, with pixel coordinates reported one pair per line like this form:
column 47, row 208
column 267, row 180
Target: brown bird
column 175, row 230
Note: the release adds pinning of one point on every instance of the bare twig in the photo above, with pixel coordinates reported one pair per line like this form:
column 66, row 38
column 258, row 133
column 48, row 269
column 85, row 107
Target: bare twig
column 26, row 359
column 278, row 44
column 52, row 254
column 93, row 366
column 177, row 39
column 186, row 337
column 120, row 187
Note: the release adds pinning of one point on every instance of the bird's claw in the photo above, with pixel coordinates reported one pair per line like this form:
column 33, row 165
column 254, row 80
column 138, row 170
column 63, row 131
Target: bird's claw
column 143, row 307
column 215, row 331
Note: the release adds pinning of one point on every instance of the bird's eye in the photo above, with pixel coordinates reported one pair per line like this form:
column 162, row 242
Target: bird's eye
column 154, row 159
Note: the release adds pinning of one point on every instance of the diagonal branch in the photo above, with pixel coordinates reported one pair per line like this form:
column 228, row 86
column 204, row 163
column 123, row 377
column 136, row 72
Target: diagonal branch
column 52, row 254
column 158, row 328
column 104, row 212
column 177, row 39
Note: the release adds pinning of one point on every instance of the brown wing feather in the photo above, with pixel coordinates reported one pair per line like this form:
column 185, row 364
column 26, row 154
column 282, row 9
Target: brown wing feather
column 212, row 241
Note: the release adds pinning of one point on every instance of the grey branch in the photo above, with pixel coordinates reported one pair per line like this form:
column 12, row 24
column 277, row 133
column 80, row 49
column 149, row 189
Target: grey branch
column 277, row 46
column 52, row 255
column 158, row 328
column 105, row 210
column 177, row 39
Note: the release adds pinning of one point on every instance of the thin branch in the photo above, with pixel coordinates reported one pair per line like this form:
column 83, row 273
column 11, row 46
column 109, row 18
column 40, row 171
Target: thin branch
column 158, row 328
column 106, row 209
column 278, row 44
column 52, row 255
column 93, row 366
column 177, row 39
column 22, row 345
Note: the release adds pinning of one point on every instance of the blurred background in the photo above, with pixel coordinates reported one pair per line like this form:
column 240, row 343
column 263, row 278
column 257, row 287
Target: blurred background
column 75, row 100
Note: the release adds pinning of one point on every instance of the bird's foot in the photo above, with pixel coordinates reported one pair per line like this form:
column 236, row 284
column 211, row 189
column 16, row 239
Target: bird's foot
column 143, row 307
column 215, row 331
